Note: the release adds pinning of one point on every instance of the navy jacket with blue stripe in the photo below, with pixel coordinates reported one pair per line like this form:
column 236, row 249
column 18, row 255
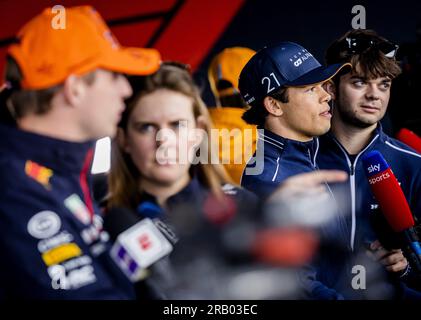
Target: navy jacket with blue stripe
column 283, row 158
column 355, row 196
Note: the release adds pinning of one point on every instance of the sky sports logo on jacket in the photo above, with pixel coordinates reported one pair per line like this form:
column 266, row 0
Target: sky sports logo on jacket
column 376, row 168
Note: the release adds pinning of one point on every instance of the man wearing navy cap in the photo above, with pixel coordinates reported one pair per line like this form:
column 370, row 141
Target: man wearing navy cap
column 283, row 86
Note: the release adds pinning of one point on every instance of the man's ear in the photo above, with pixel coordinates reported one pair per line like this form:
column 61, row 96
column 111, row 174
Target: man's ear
column 329, row 87
column 273, row 106
column 74, row 89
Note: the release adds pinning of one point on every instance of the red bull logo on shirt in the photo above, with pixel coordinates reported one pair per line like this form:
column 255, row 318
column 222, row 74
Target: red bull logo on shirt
column 39, row 173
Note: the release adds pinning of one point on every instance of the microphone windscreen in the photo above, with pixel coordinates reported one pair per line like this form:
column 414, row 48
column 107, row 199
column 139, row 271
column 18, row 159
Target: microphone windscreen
column 410, row 138
column 387, row 191
column 117, row 220
column 291, row 247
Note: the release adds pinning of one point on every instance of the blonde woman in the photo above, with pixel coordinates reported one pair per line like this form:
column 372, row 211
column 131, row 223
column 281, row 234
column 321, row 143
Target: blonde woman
column 164, row 128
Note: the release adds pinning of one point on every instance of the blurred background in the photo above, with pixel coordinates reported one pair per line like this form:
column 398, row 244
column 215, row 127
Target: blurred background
column 193, row 31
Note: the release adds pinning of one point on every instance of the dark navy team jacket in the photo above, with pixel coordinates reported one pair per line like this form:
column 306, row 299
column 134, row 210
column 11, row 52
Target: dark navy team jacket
column 283, row 158
column 356, row 196
column 52, row 245
column 357, row 200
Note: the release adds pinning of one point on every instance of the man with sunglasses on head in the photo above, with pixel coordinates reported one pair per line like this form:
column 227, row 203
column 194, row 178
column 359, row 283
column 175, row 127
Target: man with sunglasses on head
column 359, row 101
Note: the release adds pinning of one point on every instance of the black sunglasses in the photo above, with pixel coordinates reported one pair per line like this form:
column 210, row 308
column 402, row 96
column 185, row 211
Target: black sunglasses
column 356, row 45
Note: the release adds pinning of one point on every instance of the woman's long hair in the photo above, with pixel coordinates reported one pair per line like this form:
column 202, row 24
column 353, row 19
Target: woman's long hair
column 123, row 180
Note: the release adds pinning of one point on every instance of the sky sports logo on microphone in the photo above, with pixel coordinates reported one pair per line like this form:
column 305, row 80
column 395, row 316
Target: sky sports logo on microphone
column 376, row 167
column 380, row 177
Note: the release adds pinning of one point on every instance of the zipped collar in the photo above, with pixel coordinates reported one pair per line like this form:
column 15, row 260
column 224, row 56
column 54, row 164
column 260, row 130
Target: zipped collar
column 275, row 144
column 58, row 155
column 378, row 135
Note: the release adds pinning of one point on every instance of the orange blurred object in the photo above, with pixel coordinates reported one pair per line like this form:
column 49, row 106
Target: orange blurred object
column 291, row 247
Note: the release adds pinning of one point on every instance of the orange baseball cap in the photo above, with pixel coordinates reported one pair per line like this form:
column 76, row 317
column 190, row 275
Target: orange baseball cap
column 227, row 65
column 47, row 54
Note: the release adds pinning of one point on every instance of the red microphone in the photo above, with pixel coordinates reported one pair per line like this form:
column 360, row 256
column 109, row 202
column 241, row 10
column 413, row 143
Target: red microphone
column 387, row 191
column 291, row 247
column 392, row 202
column 410, row 138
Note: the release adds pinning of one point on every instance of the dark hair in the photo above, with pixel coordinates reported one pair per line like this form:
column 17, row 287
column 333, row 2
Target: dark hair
column 257, row 113
column 370, row 63
column 23, row 102
column 228, row 95
column 234, row 101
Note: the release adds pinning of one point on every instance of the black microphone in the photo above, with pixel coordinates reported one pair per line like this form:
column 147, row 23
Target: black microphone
column 118, row 220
